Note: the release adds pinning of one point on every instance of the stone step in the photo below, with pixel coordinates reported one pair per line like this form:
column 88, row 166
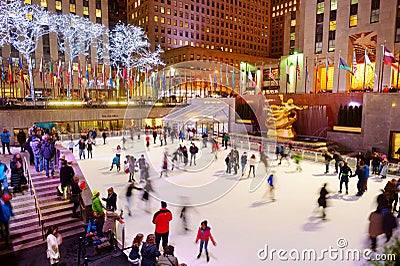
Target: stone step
column 33, row 237
column 21, row 198
column 38, row 184
column 28, row 222
column 49, row 198
column 52, row 202
column 46, row 209
column 51, row 186
column 43, row 177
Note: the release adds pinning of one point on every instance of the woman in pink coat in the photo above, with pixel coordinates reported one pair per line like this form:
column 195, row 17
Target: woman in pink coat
column 204, row 235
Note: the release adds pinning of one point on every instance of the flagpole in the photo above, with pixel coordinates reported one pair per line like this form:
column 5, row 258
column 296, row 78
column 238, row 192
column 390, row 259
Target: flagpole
column 316, row 74
column 287, row 75
column 338, row 79
column 398, row 69
column 381, row 70
column 305, row 82
column 327, row 71
column 297, row 63
column 365, row 67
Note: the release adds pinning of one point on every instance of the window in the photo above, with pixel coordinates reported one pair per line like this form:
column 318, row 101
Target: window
column 155, row 18
column 375, row 5
column 72, row 8
column 86, row 11
column 43, row 3
column 58, row 5
column 353, row 13
column 98, row 13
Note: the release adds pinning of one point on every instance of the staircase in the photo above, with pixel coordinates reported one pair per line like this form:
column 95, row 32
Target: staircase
column 25, row 231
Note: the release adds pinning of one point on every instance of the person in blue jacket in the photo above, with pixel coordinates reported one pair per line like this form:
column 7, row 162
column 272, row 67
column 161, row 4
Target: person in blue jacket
column 271, row 184
column 5, row 140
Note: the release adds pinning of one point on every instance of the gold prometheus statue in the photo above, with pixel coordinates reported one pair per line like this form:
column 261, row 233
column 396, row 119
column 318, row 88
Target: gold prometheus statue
column 281, row 118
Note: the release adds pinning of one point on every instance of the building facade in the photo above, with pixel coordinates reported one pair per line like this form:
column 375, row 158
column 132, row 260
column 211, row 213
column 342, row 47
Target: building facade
column 280, row 10
column 47, row 51
column 355, row 31
column 117, row 12
column 230, row 30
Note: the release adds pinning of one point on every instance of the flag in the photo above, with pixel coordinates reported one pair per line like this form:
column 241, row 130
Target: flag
column 271, row 76
column 163, row 80
column 124, row 75
column 250, row 76
column 354, row 63
column 388, row 58
column 326, row 69
column 110, row 80
column 103, row 76
column 233, row 78
column 3, row 71
column 41, row 69
column 344, row 65
column 307, row 74
column 51, row 72
column 68, row 77
column 298, row 69
column 10, row 75
column 287, row 71
column 368, row 61
column 117, row 78
column 227, row 75
column 86, row 73
column 79, row 74
column 21, row 71
column 215, row 80
column 95, row 75
column 59, row 73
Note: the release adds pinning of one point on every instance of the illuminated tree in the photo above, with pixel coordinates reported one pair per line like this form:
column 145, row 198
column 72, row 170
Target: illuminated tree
column 75, row 35
column 27, row 23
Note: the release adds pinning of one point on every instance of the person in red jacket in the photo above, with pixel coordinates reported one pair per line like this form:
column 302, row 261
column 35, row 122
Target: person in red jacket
column 204, row 234
column 161, row 219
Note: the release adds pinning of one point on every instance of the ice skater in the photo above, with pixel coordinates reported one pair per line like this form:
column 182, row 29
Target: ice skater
column 252, row 163
column 147, row 189
column 344, row 174
column 164, row 169
column 243, row 161
column 116, row 162
column 322, row 200
column 271, row 185
column 129, row 196
column 204, row 235
column 297, row 160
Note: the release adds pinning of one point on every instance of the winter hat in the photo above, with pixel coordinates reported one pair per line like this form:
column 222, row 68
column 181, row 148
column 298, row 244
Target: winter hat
column 95, row 192
column 163, row 204
column 6, row 197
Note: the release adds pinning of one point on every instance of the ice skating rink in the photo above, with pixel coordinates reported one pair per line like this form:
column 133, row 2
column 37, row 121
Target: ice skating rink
column 243, row 222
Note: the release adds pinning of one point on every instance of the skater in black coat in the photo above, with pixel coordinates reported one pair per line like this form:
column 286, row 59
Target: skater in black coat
column 322, row 200
column 345, row 173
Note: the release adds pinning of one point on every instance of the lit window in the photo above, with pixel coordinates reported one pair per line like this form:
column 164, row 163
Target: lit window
column 175, row 41
column 72, row 8
column 58, row 5
column 168, row 21
column 186, row 42
column 332, row 25
column 98, row 13
column 155, row 18
column 333, row 4
column 43, row 3
column 353, row 20
column 293, row 23
column 320, row 8
column 208, row 29
column 186, row 25
column 29, row 2
column 168, row 11
column 162, row 20
column 192, row 44
column 180, row 24
column 292, row 36
column 180, row 42
column 86, row 11
column 162, row 10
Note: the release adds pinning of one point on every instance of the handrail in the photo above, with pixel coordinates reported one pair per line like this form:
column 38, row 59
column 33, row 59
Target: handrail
column 33, row 192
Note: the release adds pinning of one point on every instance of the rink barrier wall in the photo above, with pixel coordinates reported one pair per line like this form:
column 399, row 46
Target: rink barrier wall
column 259, row 143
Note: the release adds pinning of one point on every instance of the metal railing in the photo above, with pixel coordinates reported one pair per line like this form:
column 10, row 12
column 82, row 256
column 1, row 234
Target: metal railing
column 33, row 193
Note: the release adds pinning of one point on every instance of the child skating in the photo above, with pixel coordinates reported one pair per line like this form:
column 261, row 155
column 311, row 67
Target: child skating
column 116, row 162
column 271, row 185
column 204, row 235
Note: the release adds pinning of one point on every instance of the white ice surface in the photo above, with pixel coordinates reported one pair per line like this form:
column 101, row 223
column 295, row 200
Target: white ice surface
column 244, row 222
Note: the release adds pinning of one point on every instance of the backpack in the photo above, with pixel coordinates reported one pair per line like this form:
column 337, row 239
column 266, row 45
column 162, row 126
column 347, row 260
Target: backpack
column 196, row 150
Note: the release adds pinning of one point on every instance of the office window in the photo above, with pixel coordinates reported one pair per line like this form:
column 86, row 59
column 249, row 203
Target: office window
column 155, row 18
column 58, row 5
column 43, row 3
column 98, row 13
column 375, row 6
column 86, row 11
column 353, row 13
column 334, row 5
column 72, row 8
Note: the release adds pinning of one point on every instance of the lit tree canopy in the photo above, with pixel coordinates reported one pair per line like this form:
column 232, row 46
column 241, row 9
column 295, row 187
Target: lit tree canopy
column 75, row 34
column 129, row 46
column 27, row 23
